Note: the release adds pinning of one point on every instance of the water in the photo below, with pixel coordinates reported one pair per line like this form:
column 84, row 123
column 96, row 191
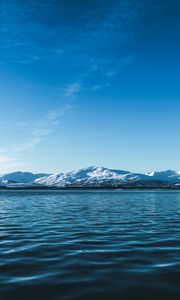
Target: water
column 89, row 245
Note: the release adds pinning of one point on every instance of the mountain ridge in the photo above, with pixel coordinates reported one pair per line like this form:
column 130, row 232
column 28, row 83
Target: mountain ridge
column 96, row 177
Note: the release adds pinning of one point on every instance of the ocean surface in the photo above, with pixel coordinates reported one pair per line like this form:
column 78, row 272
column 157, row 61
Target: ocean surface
column 82, row 245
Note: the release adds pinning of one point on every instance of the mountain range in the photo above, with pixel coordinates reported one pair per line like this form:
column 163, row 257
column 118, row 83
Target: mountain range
column 92, row 177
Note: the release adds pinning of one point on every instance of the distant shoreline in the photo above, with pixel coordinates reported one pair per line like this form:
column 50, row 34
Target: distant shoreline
column 88, row 188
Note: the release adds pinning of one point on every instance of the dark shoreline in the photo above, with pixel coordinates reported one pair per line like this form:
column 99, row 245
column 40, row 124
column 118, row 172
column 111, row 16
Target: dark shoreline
column 172, row 188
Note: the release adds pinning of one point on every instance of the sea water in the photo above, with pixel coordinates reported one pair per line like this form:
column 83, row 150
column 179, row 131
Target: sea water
column 89, row 245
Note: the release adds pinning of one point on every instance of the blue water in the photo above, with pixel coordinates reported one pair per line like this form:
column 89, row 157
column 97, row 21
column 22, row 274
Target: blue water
column 89, row 245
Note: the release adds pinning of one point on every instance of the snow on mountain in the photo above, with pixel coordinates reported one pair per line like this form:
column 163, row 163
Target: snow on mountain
column 88, row 177
column 94, row 176
column 81, row 176
column 85, row 176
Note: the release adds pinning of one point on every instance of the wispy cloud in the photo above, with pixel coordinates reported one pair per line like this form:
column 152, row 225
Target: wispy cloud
column 125, row 61
column 96, row 87
column 36, row 33
column 11, row 163
column 44, row 127
column 5, row 159
column 26, row 28
column 72, row 89
column 10, row 159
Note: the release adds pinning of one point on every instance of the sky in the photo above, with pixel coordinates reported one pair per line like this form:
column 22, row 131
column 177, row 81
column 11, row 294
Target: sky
column 89, row 83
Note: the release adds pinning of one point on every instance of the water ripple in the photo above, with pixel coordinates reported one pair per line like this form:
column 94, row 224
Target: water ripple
column 89, row 245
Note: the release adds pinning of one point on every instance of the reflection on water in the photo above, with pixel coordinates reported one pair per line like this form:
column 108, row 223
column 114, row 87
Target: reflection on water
column 89, row 245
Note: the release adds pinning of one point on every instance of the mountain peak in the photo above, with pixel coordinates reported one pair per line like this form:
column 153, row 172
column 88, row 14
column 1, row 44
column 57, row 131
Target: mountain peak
column 88, row 176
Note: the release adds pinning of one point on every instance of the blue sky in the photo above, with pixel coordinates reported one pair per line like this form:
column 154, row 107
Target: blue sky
column 89, row 83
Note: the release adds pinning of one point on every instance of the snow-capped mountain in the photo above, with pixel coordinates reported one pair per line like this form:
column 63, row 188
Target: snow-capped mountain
column 26, row 178
column 91, row 177
column 169, row 175
column 99, row 176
